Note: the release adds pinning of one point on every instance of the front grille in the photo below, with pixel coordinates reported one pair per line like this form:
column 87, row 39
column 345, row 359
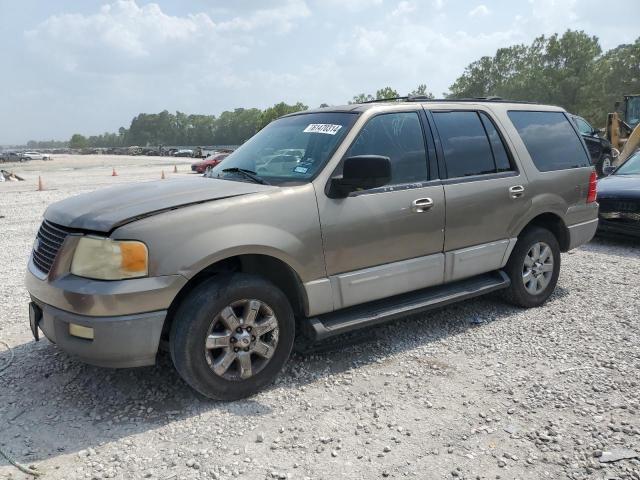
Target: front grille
column 48, row 242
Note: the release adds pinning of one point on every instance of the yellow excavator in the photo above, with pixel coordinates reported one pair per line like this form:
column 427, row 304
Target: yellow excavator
column 623, row 127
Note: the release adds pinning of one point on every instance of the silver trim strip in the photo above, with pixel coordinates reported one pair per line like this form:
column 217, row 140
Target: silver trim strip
column 383, row 281
column 470, row 261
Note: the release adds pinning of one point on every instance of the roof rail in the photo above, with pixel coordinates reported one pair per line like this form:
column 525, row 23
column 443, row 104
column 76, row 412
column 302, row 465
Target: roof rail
column 393, row 99
column 423, row 98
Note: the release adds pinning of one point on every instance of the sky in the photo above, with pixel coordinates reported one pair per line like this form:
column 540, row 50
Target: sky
column 90, row 66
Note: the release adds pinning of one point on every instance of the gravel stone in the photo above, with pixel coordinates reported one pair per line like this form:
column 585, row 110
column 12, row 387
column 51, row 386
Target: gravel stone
column 486, row 390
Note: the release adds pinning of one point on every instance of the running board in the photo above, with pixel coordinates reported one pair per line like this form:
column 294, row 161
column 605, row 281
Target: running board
column 380, row 311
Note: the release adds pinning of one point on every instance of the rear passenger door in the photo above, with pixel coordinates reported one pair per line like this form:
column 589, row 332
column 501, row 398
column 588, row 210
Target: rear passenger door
column 484, row 191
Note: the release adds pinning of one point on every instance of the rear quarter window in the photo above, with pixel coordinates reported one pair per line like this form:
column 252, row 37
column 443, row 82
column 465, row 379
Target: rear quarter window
column 551, row 141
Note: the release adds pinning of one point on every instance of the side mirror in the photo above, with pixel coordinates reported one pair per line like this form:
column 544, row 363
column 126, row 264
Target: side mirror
column 608, row 170
column 361, row 172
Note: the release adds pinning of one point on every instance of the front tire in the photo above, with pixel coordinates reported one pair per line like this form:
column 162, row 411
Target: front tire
column 232, row 336
column 533, row 267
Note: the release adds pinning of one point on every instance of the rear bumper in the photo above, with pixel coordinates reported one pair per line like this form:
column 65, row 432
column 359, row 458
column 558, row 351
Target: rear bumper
column 122, row 341
column 581, row 233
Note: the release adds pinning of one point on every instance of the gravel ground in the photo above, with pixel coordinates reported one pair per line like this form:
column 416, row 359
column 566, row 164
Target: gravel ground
column 476, row 390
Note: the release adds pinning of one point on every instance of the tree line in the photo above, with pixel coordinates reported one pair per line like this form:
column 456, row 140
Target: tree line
column 230, row 128
column 569, row 70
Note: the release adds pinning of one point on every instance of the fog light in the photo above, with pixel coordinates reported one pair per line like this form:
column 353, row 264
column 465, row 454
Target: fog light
column 80, row 331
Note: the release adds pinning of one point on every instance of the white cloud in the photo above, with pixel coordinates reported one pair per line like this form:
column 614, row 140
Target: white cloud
column 479, row 11
column 124, row 36
column 281, row 17
column 351, row 5
column 404, row 8
column 553, row 14
column 438, row 4
column 104, row 65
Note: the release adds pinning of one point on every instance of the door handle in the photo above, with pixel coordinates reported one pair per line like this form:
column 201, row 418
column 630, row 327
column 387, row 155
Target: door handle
column 516, row 191
column 421, row 204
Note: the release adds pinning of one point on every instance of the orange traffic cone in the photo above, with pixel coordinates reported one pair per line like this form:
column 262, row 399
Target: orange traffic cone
column 40, row 185
column 113, row 172
column 175, row 169
column 162, row 176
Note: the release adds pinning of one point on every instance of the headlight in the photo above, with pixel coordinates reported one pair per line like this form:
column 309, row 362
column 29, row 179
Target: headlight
column 106, row 259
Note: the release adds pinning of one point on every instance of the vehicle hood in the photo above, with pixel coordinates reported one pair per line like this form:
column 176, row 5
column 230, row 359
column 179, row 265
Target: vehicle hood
column 619, row 186
column 109, row 208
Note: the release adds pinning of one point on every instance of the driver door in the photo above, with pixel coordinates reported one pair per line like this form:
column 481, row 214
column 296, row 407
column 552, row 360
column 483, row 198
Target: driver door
column 387, row 240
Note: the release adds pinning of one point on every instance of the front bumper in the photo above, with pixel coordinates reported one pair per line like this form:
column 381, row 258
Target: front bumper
column 122, row 341
column 127, row 316
column 618, row 228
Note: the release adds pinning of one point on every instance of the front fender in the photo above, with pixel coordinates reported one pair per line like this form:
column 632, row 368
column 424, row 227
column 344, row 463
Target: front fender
column 282, row 223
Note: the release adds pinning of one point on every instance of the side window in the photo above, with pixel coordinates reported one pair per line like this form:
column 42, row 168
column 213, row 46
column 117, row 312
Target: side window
column 466, row 147
column 497, row 147
column 583, row 127
column 550, row 140
column 399, row 137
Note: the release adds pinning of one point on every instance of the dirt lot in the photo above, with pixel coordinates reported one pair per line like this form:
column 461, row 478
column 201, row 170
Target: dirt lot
column 477, row 390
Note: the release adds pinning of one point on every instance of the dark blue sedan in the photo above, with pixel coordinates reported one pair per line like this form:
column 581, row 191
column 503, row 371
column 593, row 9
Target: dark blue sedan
column 619, row 199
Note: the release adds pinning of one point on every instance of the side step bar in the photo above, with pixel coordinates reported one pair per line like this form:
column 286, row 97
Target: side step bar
column 380, row 311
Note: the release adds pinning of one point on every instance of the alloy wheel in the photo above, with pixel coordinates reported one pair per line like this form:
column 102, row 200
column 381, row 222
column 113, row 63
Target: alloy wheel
column 538, row 268
column 241, row 339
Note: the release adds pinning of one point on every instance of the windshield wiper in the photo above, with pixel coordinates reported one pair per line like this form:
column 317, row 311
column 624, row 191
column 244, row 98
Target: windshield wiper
column 248, row 174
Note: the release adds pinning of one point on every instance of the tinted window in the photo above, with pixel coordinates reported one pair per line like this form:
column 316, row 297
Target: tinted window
column 551, row 141
column 583, row 126
column 465, row 144
column 497, row 147
column 399, row 137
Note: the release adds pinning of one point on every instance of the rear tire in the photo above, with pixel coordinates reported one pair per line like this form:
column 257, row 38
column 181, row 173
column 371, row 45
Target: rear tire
column 231, row 362
column 533, row 267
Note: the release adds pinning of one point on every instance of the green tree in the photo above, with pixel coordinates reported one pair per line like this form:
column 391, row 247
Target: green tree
column 551, row 70
column 614, row 74
column 278, row 110
column 78, row 141
column 386, row 93
column 361, row 98
column 421, row 91
column 233, row 128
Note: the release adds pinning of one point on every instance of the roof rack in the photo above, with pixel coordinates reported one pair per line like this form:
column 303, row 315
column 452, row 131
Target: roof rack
column 422, row 98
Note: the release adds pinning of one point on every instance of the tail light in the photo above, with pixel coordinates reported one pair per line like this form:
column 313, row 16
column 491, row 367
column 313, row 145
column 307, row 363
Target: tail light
column 593, row 188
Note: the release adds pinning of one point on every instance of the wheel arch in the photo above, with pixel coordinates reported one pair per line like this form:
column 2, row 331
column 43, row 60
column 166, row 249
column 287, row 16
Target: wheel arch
column 268, row 267
column 553, row 223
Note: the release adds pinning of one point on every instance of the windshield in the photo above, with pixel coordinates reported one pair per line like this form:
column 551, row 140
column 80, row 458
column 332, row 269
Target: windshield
column 633, row 111
column 630, row 167
column 290, row 150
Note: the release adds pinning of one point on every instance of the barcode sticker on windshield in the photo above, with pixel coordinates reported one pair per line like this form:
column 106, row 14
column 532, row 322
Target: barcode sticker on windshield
column 326, row 128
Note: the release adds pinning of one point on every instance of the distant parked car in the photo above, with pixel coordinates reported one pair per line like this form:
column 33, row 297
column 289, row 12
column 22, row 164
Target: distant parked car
column 600, row 148
column 9, row 157
column 34, row 156
column 183, row 153
column 209, row 162
column 619, row 199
